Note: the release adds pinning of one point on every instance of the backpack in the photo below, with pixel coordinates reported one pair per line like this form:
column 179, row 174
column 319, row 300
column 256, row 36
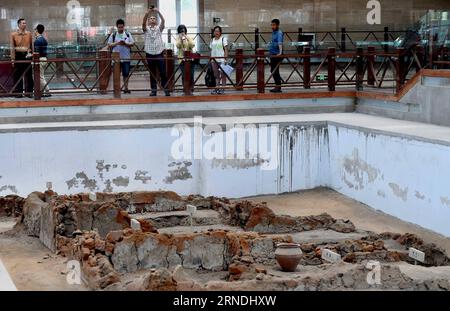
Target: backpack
column 114, row 36
column 210, row 79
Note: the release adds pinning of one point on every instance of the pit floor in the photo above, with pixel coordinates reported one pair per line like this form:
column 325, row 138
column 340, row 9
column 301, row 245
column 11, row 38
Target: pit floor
column 33, row 267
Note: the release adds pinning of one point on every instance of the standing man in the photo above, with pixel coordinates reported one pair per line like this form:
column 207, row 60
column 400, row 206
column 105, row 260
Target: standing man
column 276, row 49
column 154, row 48
column 21, row 49
column 40, row 46
column 121, row 42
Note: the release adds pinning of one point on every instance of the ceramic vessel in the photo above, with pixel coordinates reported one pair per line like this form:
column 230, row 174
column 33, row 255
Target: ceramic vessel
column 288, row 256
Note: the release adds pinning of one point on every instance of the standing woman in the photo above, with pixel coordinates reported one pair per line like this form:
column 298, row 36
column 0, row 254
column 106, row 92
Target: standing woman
column 219, row 50
column 185, row 43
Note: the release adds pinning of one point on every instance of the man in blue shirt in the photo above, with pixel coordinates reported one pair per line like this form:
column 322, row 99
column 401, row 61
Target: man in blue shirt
column 40, row 46
column 121, row 42
column 276, row 50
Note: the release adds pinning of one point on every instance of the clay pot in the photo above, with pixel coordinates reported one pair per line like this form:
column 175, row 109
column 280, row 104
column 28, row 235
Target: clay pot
column 288, row 256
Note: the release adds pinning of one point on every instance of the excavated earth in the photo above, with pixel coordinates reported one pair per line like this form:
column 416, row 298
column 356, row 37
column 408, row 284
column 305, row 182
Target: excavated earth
column 225, row 245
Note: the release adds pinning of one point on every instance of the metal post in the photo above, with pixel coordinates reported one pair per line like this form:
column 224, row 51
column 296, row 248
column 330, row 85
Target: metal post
column 37, row 76
column 299, row 39
column 257, row 39
column 187, row 87
column 399, row 69
column 371, row 65
column 116, row 74
column 386, row 39
column 359, row 69
column 239, row 69
column 260, row 70
column 307, row 68
column 343, row 38
column 331, row 69
column 420, row 52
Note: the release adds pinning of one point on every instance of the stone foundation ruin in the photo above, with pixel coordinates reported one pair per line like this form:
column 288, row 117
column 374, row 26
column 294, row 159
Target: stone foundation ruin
column 223, row 245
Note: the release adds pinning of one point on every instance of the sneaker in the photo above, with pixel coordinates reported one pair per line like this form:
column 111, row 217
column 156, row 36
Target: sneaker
column 153, row 93
column 127, row 92
column 221, row 92
column 47, row 95
column 214, row 92
column 276, row 90
column 167, row 93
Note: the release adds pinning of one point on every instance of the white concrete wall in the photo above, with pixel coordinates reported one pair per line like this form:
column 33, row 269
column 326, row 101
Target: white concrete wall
column 405, row 178
column 142, row 159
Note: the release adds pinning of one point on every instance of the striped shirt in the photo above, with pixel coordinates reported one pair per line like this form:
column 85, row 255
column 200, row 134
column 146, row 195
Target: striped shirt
column 154, row 44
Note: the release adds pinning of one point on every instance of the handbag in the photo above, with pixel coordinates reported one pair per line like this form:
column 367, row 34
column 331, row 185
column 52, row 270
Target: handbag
column 210, row 79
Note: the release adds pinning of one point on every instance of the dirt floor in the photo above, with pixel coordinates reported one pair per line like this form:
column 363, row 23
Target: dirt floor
column 314, row 202
column 33, row 267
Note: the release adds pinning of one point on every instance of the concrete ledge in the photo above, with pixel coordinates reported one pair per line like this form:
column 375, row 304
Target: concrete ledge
column 6, row 283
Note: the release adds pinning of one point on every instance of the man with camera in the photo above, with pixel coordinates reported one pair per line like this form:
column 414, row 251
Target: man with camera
column 154, row 49
column 21, row 50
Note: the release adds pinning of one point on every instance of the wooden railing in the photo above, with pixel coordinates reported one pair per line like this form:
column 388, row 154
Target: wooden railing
column 370, row 68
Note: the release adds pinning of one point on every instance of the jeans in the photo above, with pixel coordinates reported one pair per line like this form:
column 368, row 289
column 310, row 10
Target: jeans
column 19, row 70
column 125, row 68
column 275, row 70
column 157, row 63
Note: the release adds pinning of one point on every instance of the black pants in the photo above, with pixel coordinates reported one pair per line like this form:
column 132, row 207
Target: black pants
column 19, row 69
column 275, row 69
column 157, row 63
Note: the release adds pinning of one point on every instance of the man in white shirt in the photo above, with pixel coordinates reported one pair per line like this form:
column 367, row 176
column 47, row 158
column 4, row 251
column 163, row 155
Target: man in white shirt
column 154, row 49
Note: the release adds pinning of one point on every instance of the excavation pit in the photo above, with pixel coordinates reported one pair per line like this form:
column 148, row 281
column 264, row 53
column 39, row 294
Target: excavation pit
column 230, row 245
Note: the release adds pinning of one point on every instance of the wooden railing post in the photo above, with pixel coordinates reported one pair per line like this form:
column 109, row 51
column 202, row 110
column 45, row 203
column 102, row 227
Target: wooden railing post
column 170, row 67
column 371, row 65
column 116, row 74
column 307, row 68
column 359, row 69
column 331, row 69
column 400, row 64
column 256, row 39
column 104, row 69
column 260, row 70
column 36, row 67
column 343, row 38
column 386, row 39
column 187, row 63
column 239, row 69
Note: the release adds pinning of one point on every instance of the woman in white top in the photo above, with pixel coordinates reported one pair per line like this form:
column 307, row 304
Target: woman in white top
column 219, row 50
